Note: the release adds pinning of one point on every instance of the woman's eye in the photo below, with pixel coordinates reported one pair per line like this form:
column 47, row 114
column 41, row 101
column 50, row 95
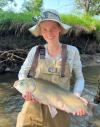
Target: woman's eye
column 44, row 30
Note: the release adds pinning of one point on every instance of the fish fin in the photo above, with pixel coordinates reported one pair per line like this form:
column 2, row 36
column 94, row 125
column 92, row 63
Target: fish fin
column 53, row 111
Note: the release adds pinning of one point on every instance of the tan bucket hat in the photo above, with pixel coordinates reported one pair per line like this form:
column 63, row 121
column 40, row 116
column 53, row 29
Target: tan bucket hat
column 49, row 15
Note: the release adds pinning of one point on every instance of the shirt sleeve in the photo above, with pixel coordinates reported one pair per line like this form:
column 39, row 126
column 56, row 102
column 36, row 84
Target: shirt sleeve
column 27, row 64
column 77, row 68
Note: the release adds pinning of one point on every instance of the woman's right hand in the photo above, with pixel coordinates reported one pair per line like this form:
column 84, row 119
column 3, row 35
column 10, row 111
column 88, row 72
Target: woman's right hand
column 28, row 97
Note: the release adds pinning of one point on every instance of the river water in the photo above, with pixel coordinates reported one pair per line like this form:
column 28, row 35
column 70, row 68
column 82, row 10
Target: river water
column 11, row 101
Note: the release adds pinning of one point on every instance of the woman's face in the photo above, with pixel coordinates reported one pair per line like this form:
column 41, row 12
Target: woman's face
column 50, row 31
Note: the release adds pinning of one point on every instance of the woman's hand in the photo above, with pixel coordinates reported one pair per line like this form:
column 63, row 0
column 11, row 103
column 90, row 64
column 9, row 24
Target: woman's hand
column 28, row 97
column 80, row 112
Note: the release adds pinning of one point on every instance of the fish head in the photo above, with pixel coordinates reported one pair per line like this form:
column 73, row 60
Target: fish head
column 27, row 84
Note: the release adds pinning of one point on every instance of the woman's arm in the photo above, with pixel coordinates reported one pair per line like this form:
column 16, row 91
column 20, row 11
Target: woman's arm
column 79, row 82
column 24, row 72
column 77, row 68
column 27, row 64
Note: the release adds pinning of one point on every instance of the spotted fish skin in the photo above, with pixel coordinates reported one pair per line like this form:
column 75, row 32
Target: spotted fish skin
column 50, row 94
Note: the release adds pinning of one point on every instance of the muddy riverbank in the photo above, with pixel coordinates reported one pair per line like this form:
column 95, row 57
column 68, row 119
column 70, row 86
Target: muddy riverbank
column 16, row 41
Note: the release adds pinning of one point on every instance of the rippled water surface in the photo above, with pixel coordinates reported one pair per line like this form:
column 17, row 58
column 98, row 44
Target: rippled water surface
column 10, row 100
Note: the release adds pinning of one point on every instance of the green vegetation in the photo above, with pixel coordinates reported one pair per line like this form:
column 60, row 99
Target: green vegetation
column 18, row 17
column 89, row 6
column 84, row 20
column 33, row 6
column 4, row 3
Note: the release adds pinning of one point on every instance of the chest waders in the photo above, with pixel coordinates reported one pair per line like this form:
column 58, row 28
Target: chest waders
column 58, row 72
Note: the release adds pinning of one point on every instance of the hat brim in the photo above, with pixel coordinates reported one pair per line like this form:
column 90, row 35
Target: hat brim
column 35, row 30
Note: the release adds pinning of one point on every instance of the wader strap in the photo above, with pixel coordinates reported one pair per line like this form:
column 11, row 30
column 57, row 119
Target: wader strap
column 39, row 51
column 64, row 58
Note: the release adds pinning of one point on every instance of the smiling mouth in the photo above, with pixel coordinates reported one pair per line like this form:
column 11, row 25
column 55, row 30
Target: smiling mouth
column 51, row 37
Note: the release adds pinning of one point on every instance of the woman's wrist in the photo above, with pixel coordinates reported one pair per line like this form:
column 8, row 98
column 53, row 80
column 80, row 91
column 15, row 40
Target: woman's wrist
column 77, row 94
column 82, row 98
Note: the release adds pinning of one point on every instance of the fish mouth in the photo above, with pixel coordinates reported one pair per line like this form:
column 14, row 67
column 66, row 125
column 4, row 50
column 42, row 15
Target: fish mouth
column 30, row 84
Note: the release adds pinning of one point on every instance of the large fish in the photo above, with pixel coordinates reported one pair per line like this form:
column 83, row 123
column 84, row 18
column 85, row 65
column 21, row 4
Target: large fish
column 50, row 94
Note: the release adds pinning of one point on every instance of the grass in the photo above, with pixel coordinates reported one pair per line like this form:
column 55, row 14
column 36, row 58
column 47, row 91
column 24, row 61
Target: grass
column 84, row 20
column 18, row 17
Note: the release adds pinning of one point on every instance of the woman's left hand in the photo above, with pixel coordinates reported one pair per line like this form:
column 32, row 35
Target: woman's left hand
column 80, row 112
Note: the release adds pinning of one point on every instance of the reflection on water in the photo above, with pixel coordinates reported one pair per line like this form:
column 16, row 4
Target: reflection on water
column 8, row 77
column 10, row 99
column 91, row 75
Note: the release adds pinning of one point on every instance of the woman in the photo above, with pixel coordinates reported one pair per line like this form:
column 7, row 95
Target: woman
column 34, row 114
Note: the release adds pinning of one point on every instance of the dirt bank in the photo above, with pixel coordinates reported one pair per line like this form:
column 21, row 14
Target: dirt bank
column 16, row 41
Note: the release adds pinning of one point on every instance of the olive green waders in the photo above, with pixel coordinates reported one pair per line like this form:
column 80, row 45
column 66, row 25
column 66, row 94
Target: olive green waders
column 38, row 115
